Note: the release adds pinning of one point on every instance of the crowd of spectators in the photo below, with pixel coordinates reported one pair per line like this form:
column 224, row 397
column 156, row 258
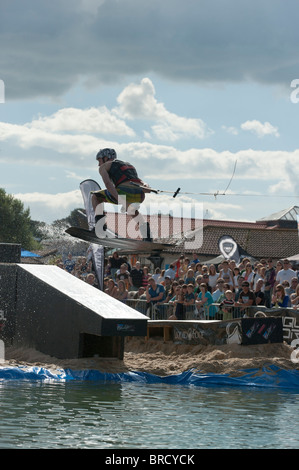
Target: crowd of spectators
column 187, row 285
column 208, row 291
column 81, row 267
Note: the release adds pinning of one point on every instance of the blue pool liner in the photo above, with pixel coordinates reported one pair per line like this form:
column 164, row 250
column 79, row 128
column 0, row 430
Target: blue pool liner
column 268, row 377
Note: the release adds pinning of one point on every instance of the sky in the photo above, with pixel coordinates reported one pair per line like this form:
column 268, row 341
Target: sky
column 201, row 95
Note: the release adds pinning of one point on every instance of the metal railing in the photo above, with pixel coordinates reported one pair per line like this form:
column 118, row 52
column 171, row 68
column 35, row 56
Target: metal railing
column 163, row 311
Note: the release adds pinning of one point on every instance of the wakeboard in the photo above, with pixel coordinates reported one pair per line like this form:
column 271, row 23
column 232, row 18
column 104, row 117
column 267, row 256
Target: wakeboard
column 128, row 244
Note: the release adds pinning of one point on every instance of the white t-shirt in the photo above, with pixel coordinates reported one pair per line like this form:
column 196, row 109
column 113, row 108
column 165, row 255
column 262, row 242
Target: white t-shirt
column 285, row 275
column 213, row 279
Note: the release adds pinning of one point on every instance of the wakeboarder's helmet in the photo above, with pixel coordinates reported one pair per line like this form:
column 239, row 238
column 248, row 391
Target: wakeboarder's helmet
column 109, row 153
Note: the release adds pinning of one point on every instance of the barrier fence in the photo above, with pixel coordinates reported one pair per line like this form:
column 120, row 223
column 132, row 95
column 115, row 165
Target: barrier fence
column 162, row 311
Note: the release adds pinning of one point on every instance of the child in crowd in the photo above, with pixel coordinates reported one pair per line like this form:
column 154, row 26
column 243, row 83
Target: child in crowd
column 227, row 305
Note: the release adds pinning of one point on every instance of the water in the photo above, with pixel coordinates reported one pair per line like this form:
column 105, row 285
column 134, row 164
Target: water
column 89, row 415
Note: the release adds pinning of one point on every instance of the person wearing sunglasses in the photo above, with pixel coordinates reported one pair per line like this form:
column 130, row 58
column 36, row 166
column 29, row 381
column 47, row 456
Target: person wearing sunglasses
column 279, row 298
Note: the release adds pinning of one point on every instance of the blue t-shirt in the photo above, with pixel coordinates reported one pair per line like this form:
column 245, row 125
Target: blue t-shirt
column 210, row 309
column 155, row 292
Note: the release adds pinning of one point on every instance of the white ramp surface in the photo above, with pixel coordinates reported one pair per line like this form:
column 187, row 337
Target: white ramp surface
column 88, row 296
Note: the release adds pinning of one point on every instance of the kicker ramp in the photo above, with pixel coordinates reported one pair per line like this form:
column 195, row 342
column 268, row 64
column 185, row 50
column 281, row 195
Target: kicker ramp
column 62, row 316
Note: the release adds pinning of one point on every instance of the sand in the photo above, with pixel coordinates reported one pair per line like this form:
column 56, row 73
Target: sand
column 162, row 359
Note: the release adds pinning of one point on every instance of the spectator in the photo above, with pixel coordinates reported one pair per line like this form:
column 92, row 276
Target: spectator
column 195, row 259
column 91, row 279
column 270, row 276
column 206, row 280
column 145, row 276
column 246, row 297
column 226, row 273
column 161, row 278
column 125, row 260
column 172, row 290
column 295, row 298
column 183, row 268
column 167, row 285
column 123, row 275
column 219, row 290
column 292, row 288
column 278, row 267
column 257, row 275
column 227, row 305
column 189, row 300
column 157, row 274
column 213, row 276
column 236, row 273
column 141, row 293
column 115, row 262
column 154, row 292
column 205, row 301
column 285, row 274
column 122, row 292
column 198, row 269
column 141, row 305
column 190, row 279
column 177, row 264
column 111, row 289
column 279, row 298
column 69, row 263
column 228, row 279
column 248, row 274
column 170, row 272
column 136, row 277
column 239, row 289
column 259, row 294
column 177, row 302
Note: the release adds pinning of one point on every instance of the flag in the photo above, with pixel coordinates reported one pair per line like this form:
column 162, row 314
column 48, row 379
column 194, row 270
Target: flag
column 229, row 248
column 97, row 251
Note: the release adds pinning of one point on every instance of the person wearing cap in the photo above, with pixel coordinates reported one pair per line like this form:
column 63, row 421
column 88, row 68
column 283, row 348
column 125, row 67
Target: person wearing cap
column 118, row 177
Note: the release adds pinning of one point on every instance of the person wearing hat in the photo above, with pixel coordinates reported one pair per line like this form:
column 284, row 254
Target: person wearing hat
column 117, row 176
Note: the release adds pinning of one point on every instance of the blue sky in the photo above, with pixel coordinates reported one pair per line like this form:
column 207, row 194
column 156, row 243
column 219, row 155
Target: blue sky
column 182, row 90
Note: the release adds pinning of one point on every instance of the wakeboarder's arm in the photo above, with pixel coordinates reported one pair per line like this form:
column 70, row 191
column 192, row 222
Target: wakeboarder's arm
column 103, row 170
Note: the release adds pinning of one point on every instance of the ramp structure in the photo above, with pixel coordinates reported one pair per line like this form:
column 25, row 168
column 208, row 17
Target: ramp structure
column 62, row 316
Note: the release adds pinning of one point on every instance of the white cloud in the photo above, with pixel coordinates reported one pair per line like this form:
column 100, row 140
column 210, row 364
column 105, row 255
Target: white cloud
column 91, row 121
column 49, row 207
column 137, row 101
column 259, row 128
column 76, row 150
column 230, row 130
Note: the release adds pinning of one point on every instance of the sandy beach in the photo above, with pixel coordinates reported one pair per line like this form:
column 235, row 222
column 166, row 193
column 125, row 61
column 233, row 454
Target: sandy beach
column 156, row 357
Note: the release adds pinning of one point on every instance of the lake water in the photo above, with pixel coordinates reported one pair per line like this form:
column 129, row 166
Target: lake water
column 96, row 415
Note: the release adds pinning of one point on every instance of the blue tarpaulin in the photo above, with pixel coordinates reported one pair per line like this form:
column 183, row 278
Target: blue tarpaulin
column 28, row 254
column 267, row 377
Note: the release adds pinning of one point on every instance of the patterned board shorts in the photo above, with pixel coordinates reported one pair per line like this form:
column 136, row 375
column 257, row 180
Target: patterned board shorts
column 133, row 194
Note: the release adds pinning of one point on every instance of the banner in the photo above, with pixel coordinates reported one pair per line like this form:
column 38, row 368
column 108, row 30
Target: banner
column 262, row 330
column 229, row 248
column 97, row 251
column 86, row 187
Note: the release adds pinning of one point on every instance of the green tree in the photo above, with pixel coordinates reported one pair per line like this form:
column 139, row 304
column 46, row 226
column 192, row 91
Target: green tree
column 15, row 222
column 76, row 218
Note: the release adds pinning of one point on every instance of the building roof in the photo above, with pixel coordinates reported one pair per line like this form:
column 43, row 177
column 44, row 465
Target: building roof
column 259, row 239
column 286, row 214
